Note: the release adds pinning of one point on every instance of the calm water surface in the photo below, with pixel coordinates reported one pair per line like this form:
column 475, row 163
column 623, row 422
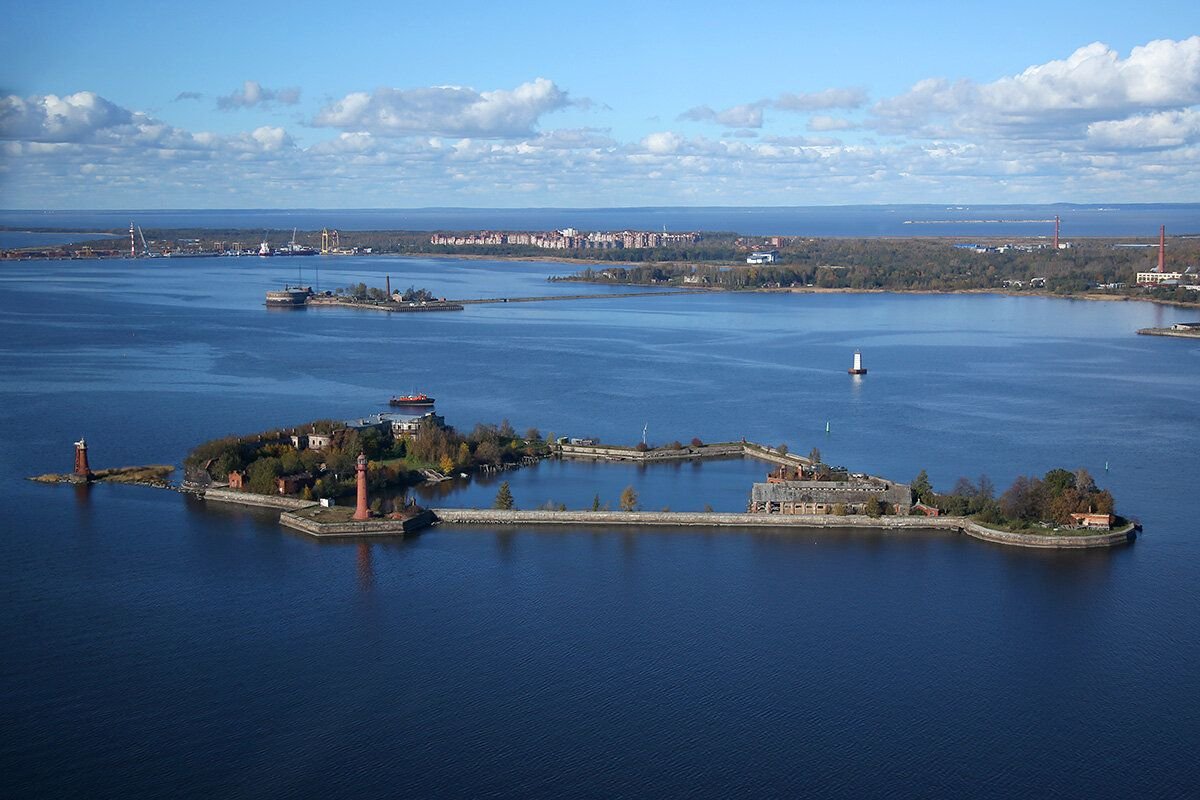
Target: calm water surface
column 156, row 645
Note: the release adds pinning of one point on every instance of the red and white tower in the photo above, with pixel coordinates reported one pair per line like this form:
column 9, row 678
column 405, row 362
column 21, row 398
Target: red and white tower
column 1162, row 248
column 361, row 512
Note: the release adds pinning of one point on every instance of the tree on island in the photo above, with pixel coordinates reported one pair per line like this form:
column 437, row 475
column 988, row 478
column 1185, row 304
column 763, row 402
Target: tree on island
column 922, row 489
column 814, row 455
column 986, row 490
column 262, row 474
column 596, row 502
column 629, row 499
column 1029, row 501
column 783, row 449
column 873, row 508
column 504, row 498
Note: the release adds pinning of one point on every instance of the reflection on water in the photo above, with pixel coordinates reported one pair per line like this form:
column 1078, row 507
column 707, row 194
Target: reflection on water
column 506, row 539
column 366, row 573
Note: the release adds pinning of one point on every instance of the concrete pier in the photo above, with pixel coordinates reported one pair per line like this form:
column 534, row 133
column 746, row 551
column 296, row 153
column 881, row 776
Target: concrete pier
column 601, row 452
column 889, row 524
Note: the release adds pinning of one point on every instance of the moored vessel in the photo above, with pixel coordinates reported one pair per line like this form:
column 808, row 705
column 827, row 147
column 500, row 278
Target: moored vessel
column 412, row 400
column 294, row 249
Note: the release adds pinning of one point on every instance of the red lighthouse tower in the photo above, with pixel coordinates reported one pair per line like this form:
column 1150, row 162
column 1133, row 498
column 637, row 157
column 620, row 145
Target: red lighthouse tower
column 82, row 471
column 361, row 511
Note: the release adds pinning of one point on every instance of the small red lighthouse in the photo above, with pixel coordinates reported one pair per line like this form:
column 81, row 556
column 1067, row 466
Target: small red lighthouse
column 361, row 512
column 82, row 470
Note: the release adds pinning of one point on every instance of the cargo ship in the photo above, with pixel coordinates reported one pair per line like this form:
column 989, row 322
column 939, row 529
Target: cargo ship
column 412, row 400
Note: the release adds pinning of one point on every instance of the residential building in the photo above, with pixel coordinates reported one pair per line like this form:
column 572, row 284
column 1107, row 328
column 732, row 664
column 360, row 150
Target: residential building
column 294, row 484
column 1155, row 278
column 1102, row 522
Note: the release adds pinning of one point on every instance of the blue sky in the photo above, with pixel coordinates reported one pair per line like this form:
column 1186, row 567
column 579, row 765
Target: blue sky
column 138, row 105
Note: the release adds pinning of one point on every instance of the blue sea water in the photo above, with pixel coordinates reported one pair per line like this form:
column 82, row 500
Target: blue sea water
column 1138, row 220
column 159, row 645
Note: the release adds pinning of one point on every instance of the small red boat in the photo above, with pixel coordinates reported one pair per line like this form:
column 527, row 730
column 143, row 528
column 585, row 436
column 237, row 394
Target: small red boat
column 412, row 400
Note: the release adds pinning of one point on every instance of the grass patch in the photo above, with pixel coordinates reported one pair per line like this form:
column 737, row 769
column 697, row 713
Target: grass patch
column 154, row 474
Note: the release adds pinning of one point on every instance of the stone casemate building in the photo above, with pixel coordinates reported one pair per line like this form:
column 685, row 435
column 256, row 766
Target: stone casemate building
column 793, row 492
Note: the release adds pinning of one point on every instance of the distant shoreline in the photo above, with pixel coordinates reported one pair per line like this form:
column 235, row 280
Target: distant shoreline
column 1108, row 298
column 883, row 269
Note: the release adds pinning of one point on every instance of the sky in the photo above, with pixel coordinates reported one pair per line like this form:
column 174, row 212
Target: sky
column 129, row 104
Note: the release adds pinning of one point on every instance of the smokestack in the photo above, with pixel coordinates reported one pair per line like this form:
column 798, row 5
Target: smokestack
column 389, row 286
column 1162, row 248
column 1056, row 231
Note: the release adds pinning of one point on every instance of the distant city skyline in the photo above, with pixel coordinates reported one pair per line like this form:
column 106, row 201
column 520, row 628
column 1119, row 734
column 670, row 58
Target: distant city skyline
column 284, row 105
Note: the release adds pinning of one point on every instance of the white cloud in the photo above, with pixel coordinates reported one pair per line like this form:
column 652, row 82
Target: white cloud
column 254, row 93
column 51, row 118
column 1091, row 127
column 1058, row 99
column 746, row 115
column 446, row 110
column 662, row 142
column 84, row 123
column 1146, row 131
column 820, row 122
column 847, row 97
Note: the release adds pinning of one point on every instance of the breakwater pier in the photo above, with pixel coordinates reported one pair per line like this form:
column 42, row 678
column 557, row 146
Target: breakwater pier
column 318, row 301
column 553, row 297
column 312, row 519
column 303, row 298
column 608, row 452
column 1179, row 331
column 782, row 523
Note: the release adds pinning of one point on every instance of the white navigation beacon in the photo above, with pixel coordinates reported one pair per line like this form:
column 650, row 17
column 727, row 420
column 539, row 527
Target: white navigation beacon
column 858, row 368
